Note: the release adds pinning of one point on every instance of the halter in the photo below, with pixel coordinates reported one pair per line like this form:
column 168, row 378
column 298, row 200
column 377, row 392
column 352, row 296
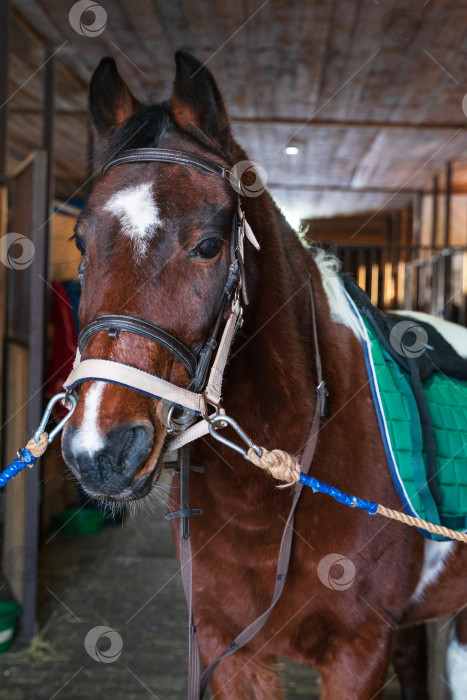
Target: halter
column 195, row 401
column 196, row 360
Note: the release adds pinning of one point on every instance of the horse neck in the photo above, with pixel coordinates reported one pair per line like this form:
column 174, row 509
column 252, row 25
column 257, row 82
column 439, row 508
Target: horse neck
column 272, row 376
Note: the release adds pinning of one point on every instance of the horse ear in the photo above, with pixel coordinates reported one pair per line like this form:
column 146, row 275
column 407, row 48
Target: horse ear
column 197, row 105
column 110, row 99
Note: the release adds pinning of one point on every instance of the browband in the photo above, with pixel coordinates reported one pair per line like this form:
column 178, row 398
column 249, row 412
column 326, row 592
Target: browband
column 169, row 155
column 115, row 324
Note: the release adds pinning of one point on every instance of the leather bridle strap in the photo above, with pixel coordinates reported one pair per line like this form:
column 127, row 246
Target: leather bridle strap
column 287, row 535
column 115, row 324
column 186, row 567
column 169, row 155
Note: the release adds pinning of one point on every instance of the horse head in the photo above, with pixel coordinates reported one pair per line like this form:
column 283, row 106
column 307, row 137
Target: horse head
column 154, row 239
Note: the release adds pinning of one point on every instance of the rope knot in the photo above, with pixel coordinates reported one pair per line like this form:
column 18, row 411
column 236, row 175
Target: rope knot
column 37, row 449
column 278, row 463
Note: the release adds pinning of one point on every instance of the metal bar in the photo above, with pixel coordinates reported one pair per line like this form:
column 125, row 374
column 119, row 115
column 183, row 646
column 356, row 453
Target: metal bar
column 4, row 49
column 434, row 222
column 434, row 240
column 447, row 262
column 447, row 213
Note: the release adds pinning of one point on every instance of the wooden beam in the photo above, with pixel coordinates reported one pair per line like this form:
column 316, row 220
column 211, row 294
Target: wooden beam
column 350, row 124
column 271, row 121
column 4, row 49
column 39, row 38
column 349, row 188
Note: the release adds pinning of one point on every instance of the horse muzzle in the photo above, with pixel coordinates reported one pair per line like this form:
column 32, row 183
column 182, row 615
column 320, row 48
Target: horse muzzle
column 112, row 466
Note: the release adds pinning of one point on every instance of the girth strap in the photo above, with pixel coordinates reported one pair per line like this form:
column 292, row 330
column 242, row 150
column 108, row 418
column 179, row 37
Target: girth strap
column 115, row 324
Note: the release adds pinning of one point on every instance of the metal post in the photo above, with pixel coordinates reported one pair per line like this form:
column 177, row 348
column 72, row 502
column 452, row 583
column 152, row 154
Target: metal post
column 411, row 277
column 434, row 243
column 446, row 260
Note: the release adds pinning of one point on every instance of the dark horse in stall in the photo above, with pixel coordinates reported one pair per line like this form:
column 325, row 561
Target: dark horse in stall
column 155, row 244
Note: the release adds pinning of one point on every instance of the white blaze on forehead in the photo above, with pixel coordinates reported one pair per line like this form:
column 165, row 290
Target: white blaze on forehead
column 89, row 438
column 138, row 213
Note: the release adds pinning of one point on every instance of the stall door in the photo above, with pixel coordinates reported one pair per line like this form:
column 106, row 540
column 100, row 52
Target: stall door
column 24, row 257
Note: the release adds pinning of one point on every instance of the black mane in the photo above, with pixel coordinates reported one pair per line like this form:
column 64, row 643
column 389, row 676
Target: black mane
column 142, row 130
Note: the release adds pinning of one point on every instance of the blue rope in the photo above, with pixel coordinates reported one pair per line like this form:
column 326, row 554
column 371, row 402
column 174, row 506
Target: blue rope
column 352, row 501
column 25, row 460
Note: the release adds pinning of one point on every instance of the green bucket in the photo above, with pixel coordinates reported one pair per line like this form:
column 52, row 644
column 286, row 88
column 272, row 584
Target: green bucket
column 9, row 613
column 82, row 521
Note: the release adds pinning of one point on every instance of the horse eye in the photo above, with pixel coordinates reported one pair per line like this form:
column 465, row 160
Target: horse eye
column 209, row 248
column 79, row 243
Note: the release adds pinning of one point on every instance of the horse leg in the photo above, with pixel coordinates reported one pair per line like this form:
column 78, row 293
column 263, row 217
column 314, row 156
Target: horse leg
column 243, row 676
column 410, row 661
column 456, row 658
column 356, row 668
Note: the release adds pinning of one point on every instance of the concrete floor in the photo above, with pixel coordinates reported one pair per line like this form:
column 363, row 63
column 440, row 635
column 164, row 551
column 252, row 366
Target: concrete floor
column 125, row 578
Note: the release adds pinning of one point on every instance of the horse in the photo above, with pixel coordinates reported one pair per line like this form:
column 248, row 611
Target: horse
column 154, row 239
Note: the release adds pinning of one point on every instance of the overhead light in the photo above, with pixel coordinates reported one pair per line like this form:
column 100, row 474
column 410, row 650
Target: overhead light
column 291, row 150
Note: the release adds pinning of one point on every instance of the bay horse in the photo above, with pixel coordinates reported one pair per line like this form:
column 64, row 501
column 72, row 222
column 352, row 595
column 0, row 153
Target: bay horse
column 154, row 239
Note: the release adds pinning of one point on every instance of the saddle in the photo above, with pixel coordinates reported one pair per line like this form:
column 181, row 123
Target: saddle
column 421, row 404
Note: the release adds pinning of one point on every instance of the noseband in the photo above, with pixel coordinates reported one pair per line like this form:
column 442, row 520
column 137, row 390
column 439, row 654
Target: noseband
column 196, row 360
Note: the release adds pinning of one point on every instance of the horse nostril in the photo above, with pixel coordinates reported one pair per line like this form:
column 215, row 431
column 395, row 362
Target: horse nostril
column 136, row 446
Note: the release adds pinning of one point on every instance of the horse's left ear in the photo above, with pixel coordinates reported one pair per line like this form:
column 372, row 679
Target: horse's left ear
column 197, row 105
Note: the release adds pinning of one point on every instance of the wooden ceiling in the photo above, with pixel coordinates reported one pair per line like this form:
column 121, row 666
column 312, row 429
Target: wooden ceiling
column 370, row 91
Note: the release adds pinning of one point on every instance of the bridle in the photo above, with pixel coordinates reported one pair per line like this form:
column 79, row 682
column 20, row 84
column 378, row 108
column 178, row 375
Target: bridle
column 196, row 360
column 206, row 372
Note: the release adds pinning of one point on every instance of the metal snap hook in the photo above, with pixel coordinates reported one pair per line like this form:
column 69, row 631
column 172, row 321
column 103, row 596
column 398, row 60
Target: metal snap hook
column 233, row 424
column 71, row 398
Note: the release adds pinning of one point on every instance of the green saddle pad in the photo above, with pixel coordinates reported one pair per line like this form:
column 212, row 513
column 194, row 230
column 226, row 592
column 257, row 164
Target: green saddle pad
column 401, row 431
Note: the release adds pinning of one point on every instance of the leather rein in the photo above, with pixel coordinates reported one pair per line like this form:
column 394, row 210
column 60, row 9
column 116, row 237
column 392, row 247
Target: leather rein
column 205, row 371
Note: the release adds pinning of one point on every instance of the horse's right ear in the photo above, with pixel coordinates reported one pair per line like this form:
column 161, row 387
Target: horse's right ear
column 110, row 99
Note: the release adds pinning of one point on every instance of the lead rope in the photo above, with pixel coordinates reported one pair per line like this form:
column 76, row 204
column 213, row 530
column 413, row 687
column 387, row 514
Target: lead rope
column 284, row 467
column 26, row 458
